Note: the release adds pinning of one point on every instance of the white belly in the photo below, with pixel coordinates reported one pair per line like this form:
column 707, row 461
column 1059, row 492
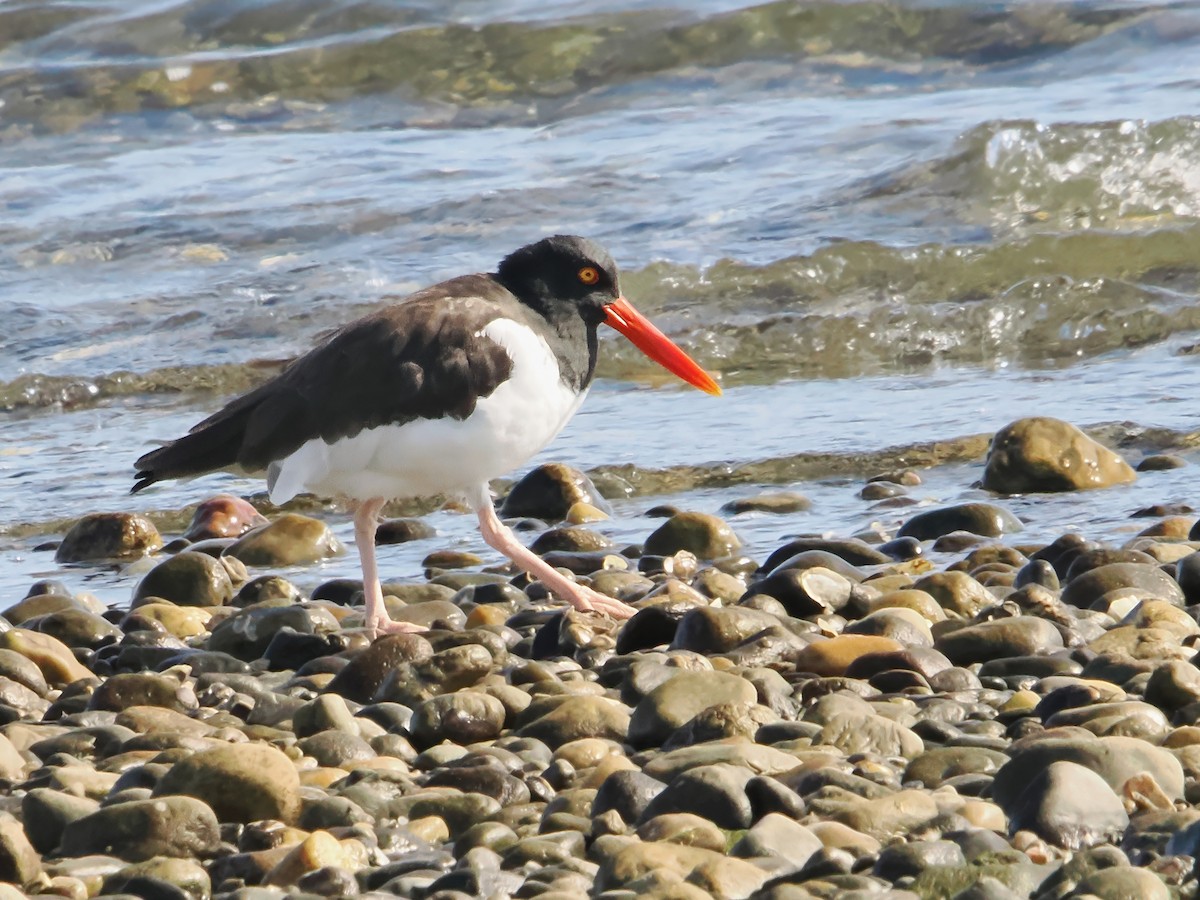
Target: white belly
column 442, row 456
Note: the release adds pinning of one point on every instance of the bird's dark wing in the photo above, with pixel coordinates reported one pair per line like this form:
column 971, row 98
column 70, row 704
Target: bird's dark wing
column 423, row 358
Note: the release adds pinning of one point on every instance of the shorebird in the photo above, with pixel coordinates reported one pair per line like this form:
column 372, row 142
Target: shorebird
column 438, row 393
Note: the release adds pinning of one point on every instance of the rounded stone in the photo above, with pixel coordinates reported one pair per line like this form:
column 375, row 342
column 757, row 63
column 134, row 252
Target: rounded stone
column 776, row 502
column 707, row 536
column 1041, row 454
column 99, row 536
column 128, row 689
column 403, row 531
column 369, row 669
column 465, row 717
column 577, row 718
column 291, row 540
column 142, row 829
column 244, row 782
column 54, row 658
column 549, row 491
column 223, row 516
column 681, row 698
column 1070, row 806
column 999, row 639
column 1138, row 579
column 985, row 519
column 832, row 656
column 188, row 579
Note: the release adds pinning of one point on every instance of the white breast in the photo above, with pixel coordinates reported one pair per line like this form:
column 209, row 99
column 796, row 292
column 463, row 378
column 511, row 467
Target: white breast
column 443, row 456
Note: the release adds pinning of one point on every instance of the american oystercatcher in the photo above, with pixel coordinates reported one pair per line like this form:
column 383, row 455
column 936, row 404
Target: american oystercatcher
column 437, row 394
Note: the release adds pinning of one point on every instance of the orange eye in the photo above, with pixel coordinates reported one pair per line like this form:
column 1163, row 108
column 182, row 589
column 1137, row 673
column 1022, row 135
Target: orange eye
column 589, row 275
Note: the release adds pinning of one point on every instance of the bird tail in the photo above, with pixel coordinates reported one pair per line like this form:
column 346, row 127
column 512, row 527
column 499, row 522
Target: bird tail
column 213, row 444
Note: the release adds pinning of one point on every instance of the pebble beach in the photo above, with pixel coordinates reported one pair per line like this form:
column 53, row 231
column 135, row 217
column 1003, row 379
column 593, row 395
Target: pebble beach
column 945, row 711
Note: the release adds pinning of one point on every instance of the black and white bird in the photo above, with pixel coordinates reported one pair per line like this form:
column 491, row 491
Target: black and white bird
column 452, row 386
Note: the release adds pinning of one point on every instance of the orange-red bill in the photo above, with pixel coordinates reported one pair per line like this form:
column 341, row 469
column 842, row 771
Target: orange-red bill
column 641, row 332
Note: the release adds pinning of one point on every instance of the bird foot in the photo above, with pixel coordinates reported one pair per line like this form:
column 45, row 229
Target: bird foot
column 384, row 625
column 585, row 599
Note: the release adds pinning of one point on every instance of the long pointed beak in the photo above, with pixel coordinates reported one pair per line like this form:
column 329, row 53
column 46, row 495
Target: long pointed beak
column 641, row 332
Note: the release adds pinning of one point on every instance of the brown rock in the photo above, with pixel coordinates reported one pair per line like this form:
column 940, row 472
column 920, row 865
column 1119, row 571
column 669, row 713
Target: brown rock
column 223, row 516
column 1044, row 454
column 108, row 536
column 834, row 656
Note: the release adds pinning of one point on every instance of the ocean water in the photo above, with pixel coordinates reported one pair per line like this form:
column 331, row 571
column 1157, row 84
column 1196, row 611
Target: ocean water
column 883, row 224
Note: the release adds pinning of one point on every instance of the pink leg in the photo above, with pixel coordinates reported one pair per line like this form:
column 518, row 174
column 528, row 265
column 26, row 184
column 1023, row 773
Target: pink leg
column 375, row 616
column 500, row 537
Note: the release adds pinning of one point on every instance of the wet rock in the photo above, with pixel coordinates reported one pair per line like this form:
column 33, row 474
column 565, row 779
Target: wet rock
column 320, row 850
column 1070, row 806
column 465, row 717
column 37, row 605
column 998, row 639
column 1041, row 454
column 77, row 628
column 851, row 551
column 903, row 625
column 1133, row 579
column 777, row 502
column 143, row 689
column 52, row 657
column 805, row 592
column 188, row 579
column 628, row 792
column 241, row 782
column 834, row 655
column 707, row 536
column 957, row 592
column 1173, row 685
column 911, row 859
column 570, row 539
column 1160, row 462
column 248, row 633
column 935, row 765
column 161, row 878
column 576, row 718
column 985, row 519
column 367, row 670
column 142, row 829
column 47, row 812
column 223, row 516
column 291, row 540
column 99, row 536
column 716, row 793
column 549, row 491
column 676, row 701
column 709, row 629
column 402, row 531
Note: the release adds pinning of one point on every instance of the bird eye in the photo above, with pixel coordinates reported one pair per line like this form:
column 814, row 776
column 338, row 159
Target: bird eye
column 589, row 275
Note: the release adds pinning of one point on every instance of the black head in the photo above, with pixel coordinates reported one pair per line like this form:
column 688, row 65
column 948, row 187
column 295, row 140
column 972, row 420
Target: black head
column 560, row 275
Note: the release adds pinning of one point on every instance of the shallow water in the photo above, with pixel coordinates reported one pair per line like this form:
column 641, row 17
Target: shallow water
column 883, row 223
